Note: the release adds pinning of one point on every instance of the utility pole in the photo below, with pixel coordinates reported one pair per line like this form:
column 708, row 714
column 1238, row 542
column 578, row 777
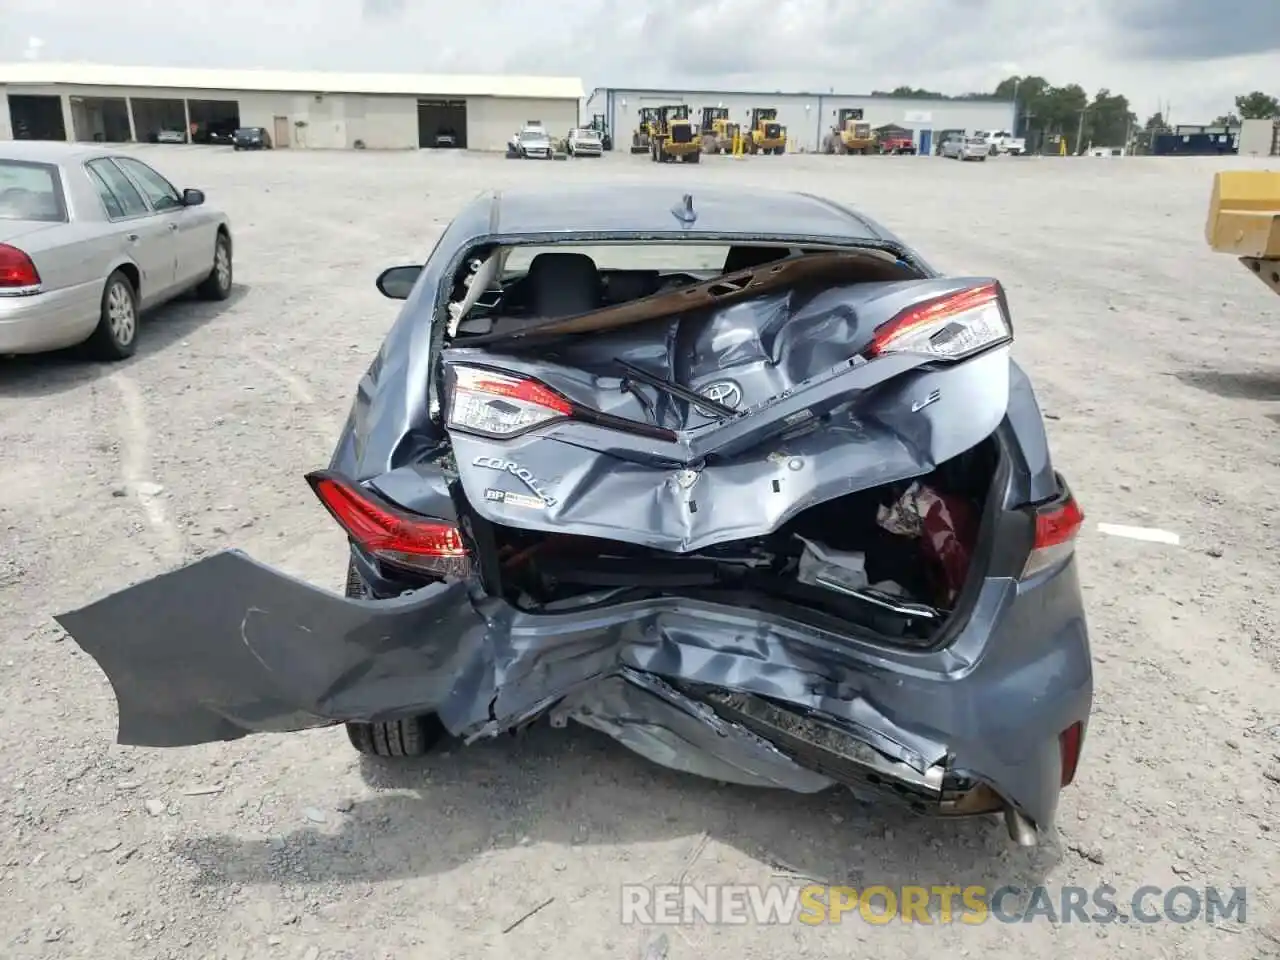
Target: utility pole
column 1080, row 133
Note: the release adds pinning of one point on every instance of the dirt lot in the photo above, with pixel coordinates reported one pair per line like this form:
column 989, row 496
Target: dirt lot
column 1157, row 362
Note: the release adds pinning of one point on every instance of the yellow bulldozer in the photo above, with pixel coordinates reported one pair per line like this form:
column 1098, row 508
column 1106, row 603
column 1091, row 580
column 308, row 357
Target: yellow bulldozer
column 717, row 131
column 673, row 137
column 851, row 135
column 1244, row 221
column 766, row 135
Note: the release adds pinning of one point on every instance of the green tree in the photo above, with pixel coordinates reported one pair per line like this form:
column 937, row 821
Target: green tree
column 1257, row 106
column 910, row 93
column 1029, row 92
column 1060, row 110
column 1109, row 121
column 1226, row 120
column 1155, row 123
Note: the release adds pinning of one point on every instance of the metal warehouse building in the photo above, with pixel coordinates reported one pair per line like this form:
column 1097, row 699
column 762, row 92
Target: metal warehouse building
column 47, row 101
column 808, row 117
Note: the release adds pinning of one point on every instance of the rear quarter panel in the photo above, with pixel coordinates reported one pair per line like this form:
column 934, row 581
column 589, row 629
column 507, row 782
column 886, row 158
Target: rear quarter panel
column 76, row 254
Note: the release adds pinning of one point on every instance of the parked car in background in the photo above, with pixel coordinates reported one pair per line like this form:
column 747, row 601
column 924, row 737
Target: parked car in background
column 219, row 133
column 89, row 239
column 170, row 136
column 958, row 146
column 832, row 552
column 1013, row 146
column 900, row 142
column 531, row 143
column 1002, row 142
column 251, row 138
column 447, row 138
column 584, row 142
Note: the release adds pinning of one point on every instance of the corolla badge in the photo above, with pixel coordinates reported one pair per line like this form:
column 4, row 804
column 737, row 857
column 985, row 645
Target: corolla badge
column 724, row 391
column 520, row 473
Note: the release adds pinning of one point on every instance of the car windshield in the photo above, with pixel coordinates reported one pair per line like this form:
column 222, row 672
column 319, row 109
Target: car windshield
column 248, row 131
column 31, row 191
column 977, row 140
column 584, row 133
column 532, row 135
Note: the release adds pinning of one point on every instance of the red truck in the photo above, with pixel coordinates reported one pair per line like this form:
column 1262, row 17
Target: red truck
column 897, row 142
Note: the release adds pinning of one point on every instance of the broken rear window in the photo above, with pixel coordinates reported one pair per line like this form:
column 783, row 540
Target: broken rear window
column 664, row 257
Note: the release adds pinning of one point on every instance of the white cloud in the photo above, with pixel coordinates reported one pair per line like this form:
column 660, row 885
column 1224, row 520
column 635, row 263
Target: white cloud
column 1150, row 50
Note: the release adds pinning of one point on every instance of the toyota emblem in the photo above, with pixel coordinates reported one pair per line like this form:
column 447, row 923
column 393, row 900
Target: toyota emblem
column 724, row 392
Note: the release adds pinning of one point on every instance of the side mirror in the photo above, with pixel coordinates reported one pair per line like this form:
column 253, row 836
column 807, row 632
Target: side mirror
column 396, row 283
column 192, row 198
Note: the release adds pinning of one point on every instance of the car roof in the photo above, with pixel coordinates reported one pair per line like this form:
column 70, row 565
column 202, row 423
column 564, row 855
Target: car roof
column 634, row 207
column 51, row 151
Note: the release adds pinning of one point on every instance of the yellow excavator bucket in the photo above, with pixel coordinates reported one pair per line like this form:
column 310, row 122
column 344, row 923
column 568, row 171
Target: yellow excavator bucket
column 1244, row 220
column 1244, row 213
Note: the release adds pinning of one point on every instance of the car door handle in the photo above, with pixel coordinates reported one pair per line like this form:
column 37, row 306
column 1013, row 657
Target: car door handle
column 173, row 226
column 133, row 238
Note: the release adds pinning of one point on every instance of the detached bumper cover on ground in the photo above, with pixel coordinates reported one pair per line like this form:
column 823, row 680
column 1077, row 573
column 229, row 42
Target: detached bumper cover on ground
column 226, row 647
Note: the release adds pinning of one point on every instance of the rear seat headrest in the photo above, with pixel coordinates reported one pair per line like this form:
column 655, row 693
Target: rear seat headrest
column 563, row 285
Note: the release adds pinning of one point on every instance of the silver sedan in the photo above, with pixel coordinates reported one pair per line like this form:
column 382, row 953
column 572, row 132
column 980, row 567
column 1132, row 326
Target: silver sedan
column 89, row 238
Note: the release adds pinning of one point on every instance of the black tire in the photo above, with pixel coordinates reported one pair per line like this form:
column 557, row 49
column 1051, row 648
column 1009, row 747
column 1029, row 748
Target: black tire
column 217, row 285
column 411, row 737
column 116, row 335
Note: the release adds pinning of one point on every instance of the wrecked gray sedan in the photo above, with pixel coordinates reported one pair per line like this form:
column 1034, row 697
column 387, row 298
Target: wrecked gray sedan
column 737, row 479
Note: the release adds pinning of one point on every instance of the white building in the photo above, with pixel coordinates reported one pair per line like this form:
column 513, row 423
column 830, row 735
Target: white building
column 808, row 117
column 49, row 101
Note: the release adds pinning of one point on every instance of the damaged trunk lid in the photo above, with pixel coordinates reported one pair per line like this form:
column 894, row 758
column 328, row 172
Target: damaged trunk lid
column 723, row 424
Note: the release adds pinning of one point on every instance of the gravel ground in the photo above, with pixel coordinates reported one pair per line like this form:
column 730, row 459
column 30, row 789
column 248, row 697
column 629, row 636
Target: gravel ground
column 1158, row 364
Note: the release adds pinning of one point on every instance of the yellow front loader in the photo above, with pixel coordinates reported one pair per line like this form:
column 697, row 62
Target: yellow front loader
column 766, row 134
column 1244, row 221
column 718, row 131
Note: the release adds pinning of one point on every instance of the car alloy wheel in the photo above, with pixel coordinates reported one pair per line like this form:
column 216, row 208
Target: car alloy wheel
column 122, row 315
column 222, row 265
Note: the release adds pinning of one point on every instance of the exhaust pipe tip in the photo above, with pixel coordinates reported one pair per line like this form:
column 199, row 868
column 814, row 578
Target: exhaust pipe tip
column 1021, row 830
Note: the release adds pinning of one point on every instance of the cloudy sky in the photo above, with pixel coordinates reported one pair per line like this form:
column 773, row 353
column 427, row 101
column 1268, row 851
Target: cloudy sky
column 1154, row 51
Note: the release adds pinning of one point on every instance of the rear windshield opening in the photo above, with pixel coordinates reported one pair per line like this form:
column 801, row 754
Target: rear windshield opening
column 31, row 191
column 533, row 284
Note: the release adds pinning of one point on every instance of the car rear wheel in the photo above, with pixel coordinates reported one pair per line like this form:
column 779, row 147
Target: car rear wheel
column 217, row 286
column 411, row 737
column 116, row 336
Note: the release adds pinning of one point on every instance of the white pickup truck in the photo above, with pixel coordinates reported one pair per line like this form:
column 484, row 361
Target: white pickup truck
column 1002, row 141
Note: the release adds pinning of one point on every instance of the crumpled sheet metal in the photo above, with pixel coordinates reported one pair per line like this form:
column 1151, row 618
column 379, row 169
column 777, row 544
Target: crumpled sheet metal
column 662, row 725
column 227, row 646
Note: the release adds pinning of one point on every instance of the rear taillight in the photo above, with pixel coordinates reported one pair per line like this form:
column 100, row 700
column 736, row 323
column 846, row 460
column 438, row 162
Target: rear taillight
column 501, row 404
column 1070, row 742
column 388, row 533
column 17, row 270
column 947, row 328
column 1057, row 524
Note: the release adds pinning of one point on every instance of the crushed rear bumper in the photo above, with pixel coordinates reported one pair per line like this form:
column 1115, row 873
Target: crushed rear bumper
column 225, row 647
